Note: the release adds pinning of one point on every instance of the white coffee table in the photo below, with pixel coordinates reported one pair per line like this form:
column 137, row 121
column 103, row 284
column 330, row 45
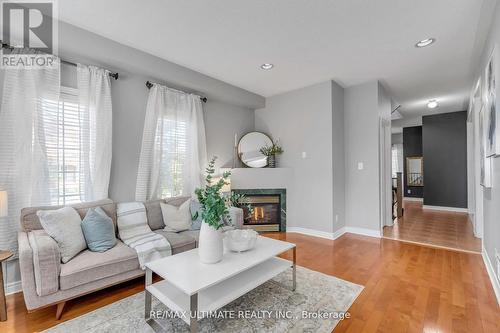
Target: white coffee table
column 192, row 287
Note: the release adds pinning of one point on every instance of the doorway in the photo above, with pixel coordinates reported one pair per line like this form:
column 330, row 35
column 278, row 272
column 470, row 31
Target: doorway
column 433, row 214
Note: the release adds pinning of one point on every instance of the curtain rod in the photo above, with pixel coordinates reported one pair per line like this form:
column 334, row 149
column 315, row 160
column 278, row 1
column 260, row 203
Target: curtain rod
column 149, row 85
column 7, row 46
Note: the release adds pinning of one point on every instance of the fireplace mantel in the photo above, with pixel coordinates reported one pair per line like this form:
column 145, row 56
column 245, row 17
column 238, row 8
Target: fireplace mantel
column 261, row 178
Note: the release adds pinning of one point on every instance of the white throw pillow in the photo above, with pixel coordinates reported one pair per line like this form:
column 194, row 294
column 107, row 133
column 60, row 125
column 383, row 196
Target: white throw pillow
column 64, row 225
column 176, row 219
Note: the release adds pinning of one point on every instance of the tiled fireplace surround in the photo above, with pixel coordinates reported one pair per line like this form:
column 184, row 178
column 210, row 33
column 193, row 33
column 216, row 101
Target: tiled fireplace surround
column 269, row 184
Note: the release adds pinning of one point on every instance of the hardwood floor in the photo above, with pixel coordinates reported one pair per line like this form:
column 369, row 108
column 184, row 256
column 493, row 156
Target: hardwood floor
column 445, row 229
column 408, row 288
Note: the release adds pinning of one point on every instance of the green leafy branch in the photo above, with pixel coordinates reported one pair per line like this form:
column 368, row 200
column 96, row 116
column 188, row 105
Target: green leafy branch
column 214, row 209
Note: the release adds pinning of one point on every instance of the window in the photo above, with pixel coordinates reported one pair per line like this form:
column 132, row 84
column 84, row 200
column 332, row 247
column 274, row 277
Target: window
column 63, row 138
column 173, row 151
column 173, row 139
column 397, row 159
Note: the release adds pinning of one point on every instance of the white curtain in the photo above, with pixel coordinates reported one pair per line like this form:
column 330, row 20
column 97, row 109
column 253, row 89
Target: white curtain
column 95, row 111
column 29, row 97
column 173, row 152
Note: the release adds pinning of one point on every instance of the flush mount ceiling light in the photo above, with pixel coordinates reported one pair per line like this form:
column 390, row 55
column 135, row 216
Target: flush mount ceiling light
column 267, row 66
column 425, row 42
column 432, row 104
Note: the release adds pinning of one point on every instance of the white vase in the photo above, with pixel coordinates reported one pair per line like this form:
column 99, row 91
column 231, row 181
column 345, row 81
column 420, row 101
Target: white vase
column 210, row 247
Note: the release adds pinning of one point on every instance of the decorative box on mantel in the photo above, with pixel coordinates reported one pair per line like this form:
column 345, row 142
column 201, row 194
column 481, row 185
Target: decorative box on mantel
column 266, row 189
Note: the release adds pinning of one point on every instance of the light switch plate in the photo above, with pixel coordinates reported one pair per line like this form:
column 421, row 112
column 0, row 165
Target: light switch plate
column 360, row 166
column 304, row 154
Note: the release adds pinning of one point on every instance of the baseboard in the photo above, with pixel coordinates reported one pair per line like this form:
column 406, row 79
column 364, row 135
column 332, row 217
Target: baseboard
column 363, row 231
column 491, row 273
column 413, row 199
column 336, row 234
column 446, row 209
column 339, row 233
column 13, row 287
column 317, row 233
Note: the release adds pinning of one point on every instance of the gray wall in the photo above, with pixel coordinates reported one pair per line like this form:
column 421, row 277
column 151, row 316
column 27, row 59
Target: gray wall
column 385, row 104
column 362, row 146
column 407, row 122
column 445, row 159
column 229, row 109
column 412, row 147
column 222, row 121
column 338, row 156
column 302, row 120
column 397, row 138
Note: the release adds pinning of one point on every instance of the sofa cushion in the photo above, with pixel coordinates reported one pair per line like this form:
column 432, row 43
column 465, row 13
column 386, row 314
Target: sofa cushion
column 46, row 262
column 98, row 230
column 176, row 218
column 64, row 225
column 153, row 210
column 30, row 221
column 195, row 234
column 90, row 266
column 179, row 242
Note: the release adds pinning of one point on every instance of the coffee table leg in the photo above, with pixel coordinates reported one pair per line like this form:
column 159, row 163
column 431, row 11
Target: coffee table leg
column 193, row 306
column 294, row 267
column 147, row 298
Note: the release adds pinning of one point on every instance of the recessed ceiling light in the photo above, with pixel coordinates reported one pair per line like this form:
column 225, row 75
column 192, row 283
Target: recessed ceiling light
column 267, row 66
column 432, row 104
column 425, row 42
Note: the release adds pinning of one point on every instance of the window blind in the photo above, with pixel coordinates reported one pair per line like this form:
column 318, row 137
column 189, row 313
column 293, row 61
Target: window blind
column 63, row 142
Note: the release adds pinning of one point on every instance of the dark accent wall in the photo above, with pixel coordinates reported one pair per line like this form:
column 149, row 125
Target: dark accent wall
column 412, row 147
column 445, row 159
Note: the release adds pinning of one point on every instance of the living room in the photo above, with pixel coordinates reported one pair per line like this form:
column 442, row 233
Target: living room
column 232, row 160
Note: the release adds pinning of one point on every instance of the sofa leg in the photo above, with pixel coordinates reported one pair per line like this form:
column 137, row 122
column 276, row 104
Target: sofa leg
column 60, row 308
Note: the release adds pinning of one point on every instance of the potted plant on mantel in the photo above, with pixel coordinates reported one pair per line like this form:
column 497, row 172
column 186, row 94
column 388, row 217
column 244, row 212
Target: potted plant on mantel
column 271, row 151
column 215, row 214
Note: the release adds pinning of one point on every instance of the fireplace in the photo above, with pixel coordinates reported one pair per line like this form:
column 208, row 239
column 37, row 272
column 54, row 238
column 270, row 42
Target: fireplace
column 268, row 209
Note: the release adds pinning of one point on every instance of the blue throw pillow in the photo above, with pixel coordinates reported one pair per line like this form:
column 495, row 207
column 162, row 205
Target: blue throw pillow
column 98, row 230
column 196, row 215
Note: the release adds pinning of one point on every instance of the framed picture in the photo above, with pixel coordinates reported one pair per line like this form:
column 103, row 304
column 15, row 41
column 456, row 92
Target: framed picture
column 491, row 105
column 477, row 104
column 485, row 162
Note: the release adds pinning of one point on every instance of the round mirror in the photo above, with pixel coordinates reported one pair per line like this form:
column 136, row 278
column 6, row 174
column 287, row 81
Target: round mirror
column 249, row 149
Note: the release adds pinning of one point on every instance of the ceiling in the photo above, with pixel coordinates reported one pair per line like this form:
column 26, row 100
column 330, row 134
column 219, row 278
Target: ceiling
column 349, row 41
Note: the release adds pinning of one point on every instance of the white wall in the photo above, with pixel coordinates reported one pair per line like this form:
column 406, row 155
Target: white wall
column 491, row 240
column 302, row 120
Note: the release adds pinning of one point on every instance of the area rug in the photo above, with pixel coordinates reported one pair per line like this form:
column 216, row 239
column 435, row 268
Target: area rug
column 317, row 305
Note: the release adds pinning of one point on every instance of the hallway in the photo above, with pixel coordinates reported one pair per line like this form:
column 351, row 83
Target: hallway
column 437, row 228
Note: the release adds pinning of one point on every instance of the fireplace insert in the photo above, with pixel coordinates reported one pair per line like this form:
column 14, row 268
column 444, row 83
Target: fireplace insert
column 268, row 209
